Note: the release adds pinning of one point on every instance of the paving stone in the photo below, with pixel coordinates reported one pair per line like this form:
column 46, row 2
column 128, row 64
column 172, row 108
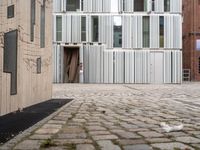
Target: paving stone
column 158, row 140
column 197, row 146
column 40, row 136
column 104, row 137
column 72, row 141
column 72, row 136
column 171, row 146
column 107, row 145
column 46, row 131
column 125, row 134
column 95, row 128
column 72, row 130
column 176, row 134
column 150, row 134
column 28, row 145
column 99, row 133
column 138, row 147
column 188, row 140
column 131, row 142
column 85, row 147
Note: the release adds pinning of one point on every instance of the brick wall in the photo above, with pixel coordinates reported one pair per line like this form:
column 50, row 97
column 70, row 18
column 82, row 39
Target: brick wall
column 191, row 32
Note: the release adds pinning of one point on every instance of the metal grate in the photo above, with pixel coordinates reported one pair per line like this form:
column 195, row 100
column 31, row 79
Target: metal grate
column 15, row 123
column 186, row 75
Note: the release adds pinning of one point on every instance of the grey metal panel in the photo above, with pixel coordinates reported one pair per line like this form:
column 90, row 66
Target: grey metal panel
column 10, row 58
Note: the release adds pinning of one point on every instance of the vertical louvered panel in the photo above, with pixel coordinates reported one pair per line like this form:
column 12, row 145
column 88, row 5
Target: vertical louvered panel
column 129, row 66
column 88, row 29
column 119, row 67
column 168, row 34
column 177, row 30
column 159, row 6
column 106, row 30
column 137, row 31
column 86, row 63
column 128, row 5
column 57, row 5
column 126, row 32
column 154, row 31
column 106, row 5
column 167, row 66
column 54, row 28
column 108, row 67
column 76, row 29
column 176, row 6
column 67, row 28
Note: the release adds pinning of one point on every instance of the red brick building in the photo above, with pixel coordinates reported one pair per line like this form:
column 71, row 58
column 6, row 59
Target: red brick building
column 191, row 38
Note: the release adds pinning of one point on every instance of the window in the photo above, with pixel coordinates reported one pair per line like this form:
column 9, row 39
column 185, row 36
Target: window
column 117, row 32
column 83, row 28
column 166, row 5
column 42, row 25
column 198, row 44
column 32, row 19
column 140, row 5
column 153, row 5
column 95, row 29
column 58, row 28
column 146, row 39
column 161, row 31
column 73, row 5
column 10, row 11
column 10, row 58
column 39, row 65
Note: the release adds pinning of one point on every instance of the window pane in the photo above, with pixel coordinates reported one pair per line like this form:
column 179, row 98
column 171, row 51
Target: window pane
column 140, row 5
column 59, row 28
column 73, row 5
column 146, row 29
column 83, row 28
column 32, row 19
column 166, row 5
column 39, row 65
column 95, row 29
column 161, row 31
column 153, row 5
column 117, row 32
column 10, row 11
column 10, row 58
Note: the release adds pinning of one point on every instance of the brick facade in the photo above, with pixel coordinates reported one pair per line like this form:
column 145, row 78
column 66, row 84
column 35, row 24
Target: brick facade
column 191, row 32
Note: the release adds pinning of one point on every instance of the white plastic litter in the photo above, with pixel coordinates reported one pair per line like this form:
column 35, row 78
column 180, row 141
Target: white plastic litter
column 168, row 128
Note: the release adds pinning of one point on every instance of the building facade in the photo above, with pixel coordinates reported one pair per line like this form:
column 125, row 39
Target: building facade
column 117, row 41
column 25, row 53
column 191, row 38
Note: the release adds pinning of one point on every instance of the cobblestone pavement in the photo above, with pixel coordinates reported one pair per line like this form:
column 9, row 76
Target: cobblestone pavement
column 121, row 117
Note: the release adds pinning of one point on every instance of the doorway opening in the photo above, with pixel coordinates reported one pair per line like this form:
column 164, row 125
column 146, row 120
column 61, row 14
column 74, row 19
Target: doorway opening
column 71, row 65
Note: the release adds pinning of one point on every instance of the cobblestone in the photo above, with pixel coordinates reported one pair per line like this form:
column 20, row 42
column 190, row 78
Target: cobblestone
column 115, row 117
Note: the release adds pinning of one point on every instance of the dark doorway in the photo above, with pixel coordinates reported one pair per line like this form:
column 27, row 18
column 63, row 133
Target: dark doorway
column 71, row 65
